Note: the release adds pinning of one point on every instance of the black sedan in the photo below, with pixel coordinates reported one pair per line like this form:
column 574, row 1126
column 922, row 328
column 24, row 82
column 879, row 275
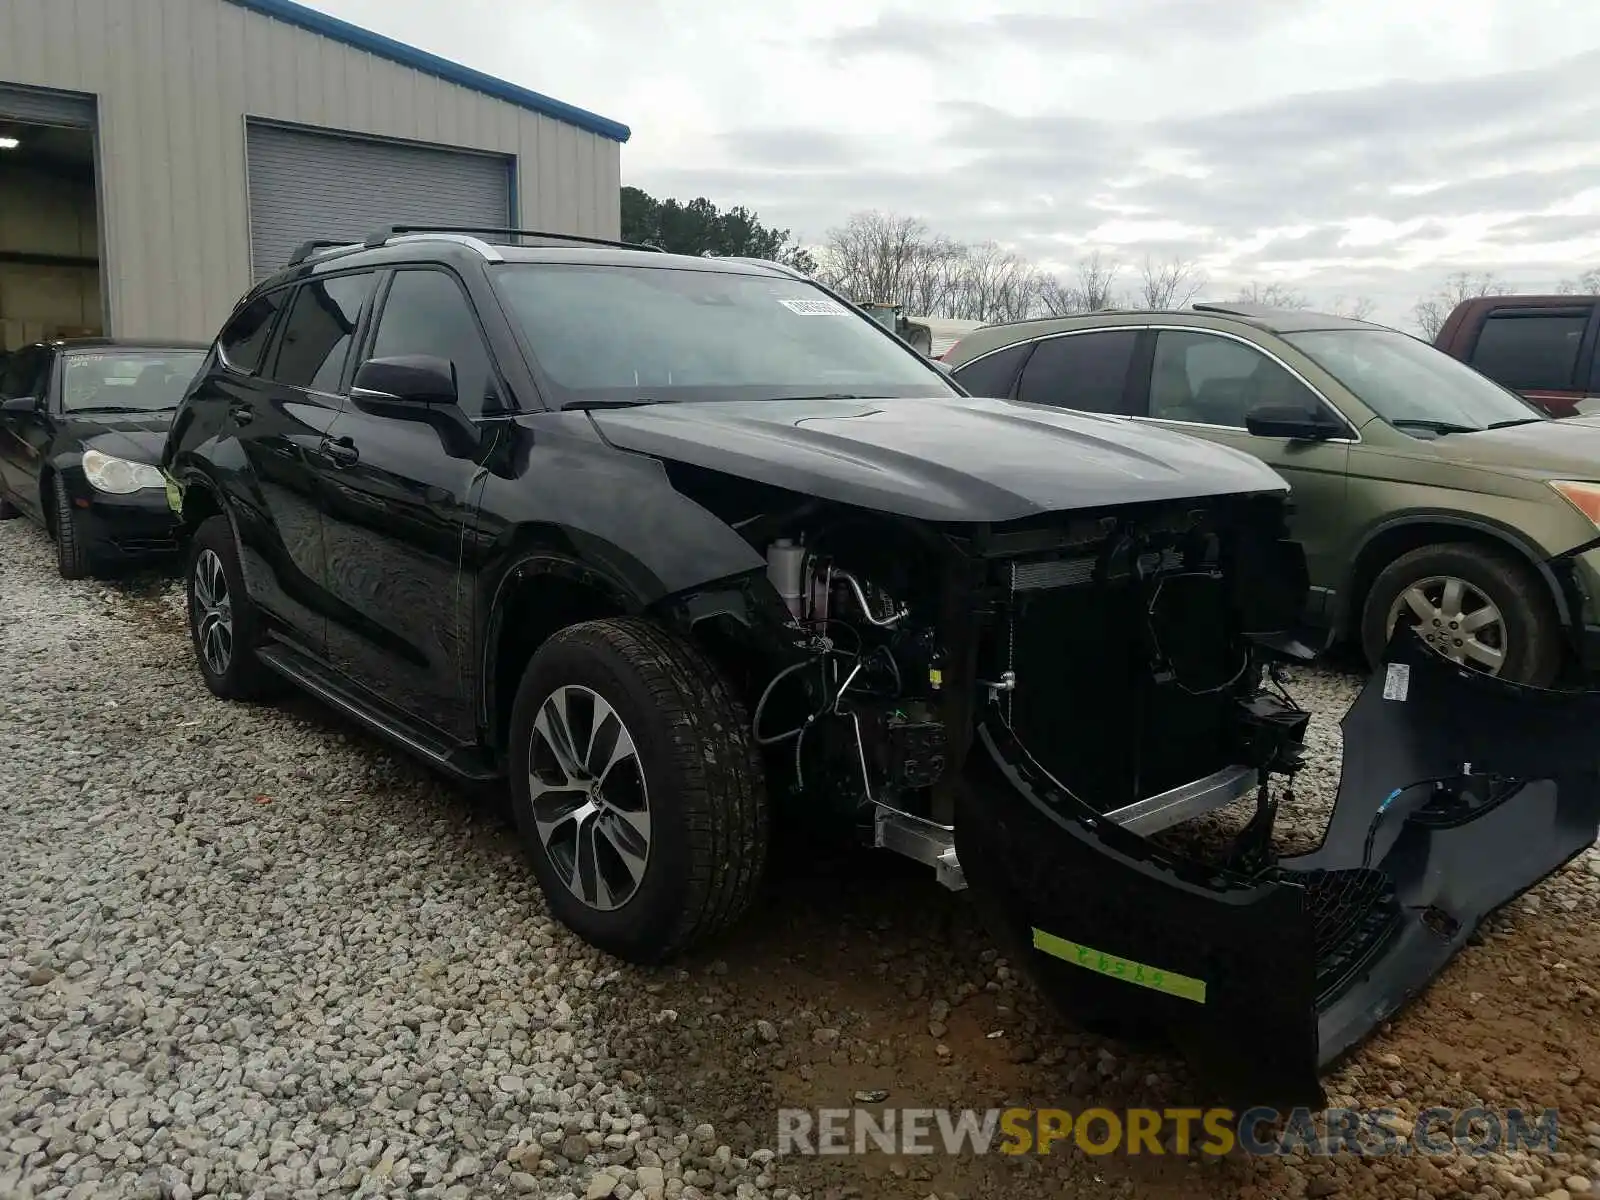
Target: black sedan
column 82, row 424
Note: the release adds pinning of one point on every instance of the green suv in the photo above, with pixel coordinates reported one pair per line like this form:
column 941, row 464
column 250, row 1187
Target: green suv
column 1423, row 492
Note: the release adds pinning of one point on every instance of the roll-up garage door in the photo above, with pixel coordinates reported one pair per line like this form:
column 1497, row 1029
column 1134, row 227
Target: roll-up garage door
column 43, row 107
column 306, row 185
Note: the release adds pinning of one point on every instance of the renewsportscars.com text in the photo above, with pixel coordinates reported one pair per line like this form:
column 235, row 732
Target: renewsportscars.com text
column 1177, row 1131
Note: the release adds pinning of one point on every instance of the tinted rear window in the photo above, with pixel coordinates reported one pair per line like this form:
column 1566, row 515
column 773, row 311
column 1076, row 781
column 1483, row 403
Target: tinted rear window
column 993, row 374
column 244, row 338
column 1087, row 371
column 1536, row 352
column 319, row 329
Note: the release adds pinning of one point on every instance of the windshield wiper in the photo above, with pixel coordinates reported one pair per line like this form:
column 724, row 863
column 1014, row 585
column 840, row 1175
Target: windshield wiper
column 1439, row 427
column 1517, row 421
column 832, row 396
column 590, row 405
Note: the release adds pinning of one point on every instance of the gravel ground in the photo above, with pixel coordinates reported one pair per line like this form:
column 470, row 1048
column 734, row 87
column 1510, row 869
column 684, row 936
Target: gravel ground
column 248, row 952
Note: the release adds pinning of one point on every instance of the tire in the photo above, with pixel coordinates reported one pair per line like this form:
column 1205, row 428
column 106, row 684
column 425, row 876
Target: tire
column 1528, row 633
column 223, row 625
column 694, row 774
column 72, row 557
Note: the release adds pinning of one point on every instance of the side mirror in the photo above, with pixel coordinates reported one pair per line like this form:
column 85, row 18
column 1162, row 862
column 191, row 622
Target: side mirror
column 22, row 404
column 407, row 380
column 1296, row 424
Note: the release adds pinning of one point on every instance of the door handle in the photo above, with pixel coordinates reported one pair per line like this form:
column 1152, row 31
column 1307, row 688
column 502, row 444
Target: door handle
column 341, row 452
column 242, row 414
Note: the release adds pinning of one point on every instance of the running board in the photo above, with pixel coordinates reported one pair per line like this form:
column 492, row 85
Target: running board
column 934, row 845
column 462, row 763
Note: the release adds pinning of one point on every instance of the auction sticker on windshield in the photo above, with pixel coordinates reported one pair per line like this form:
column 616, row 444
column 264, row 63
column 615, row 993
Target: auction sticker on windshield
column 821, row 307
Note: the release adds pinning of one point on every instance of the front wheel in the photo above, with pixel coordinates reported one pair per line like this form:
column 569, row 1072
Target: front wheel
column 1477, row 607
column 72, row 556
column 637, row 789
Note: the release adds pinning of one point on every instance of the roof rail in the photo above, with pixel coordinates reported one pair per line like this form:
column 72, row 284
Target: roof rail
column 1240, row 308
column 306, row 249
column 379, row 236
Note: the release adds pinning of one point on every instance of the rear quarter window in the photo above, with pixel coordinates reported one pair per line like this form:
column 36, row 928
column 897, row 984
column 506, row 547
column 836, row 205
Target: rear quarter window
column 993, row 374
column 243, row 339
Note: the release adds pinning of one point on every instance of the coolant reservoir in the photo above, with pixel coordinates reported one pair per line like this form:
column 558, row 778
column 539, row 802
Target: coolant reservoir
column 786, row 564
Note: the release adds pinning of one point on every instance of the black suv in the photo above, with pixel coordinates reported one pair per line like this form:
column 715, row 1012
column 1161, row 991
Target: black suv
column 665, row 541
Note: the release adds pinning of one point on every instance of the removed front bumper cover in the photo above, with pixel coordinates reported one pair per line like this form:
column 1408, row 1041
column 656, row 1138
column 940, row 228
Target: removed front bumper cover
column 1459, row 793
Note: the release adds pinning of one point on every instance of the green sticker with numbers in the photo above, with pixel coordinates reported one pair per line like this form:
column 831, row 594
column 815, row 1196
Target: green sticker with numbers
column 1185, row 987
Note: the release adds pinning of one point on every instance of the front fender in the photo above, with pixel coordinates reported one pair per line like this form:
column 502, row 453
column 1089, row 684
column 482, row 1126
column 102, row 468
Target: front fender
column 1514, row 540
column 67, row 462
column 613, row 511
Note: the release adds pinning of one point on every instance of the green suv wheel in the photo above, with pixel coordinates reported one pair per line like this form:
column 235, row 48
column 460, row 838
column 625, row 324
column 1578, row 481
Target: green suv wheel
column 1476, row 607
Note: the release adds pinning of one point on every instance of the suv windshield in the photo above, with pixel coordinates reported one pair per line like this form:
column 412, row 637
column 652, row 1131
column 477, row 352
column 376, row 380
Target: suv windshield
column 1413, row 386
column 615, row 333
column 128, row 380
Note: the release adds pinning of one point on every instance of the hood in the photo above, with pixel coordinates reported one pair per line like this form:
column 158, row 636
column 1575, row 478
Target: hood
column 946, row 458
column 1563, row 449
column 137, row 437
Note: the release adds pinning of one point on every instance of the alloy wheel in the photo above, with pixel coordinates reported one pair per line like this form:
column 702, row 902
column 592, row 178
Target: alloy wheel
column 1457, row 620
column 590, row 803
column 213, row 616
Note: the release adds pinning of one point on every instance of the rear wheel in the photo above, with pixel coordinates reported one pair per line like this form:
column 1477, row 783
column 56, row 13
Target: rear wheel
column 72, row 556
column 636, row 788
column 1479, row 608
column 223, row 624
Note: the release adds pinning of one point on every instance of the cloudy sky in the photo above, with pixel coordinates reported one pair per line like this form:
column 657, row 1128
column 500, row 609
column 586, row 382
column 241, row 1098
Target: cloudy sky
column 1342, row 147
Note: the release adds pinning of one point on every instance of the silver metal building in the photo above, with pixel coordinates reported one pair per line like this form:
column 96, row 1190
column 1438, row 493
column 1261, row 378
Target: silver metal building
column 157, row 156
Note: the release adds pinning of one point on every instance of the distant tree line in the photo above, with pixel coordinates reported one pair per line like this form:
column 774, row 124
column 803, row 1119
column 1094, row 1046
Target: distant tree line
column 701, row 228
column 884, row 257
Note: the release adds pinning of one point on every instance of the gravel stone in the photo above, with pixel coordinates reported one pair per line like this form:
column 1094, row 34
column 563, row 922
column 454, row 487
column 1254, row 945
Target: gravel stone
column 247, row 952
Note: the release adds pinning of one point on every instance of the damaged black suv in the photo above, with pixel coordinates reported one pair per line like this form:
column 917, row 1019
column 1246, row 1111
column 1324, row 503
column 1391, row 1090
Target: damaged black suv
column 674, row 545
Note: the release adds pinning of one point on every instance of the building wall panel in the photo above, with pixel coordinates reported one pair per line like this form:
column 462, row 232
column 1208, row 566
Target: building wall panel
column 175, row 81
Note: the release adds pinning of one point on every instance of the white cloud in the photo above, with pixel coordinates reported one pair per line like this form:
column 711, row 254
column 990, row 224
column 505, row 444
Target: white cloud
column 1398, row 141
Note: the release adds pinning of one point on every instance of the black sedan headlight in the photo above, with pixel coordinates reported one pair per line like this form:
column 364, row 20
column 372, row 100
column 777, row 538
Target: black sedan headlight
column 119, row 476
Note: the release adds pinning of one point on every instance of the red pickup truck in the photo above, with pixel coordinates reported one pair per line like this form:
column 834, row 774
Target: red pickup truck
column 1540, row 346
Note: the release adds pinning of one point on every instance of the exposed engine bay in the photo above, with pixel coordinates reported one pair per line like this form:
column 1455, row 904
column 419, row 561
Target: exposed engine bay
column 1113, row 646
column 1021, row 705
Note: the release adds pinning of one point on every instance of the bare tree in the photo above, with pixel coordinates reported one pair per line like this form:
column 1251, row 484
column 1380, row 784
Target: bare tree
column 883, row 257
column 1272, row 295
column 1357, row 308
column 880, row 257
column 1586, row 284
column 1056, row 298
column 1432, row 310
column 998, row 285
column 874, row 256
column 1172, row 284
column 937, row 277
column 1095, row 281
